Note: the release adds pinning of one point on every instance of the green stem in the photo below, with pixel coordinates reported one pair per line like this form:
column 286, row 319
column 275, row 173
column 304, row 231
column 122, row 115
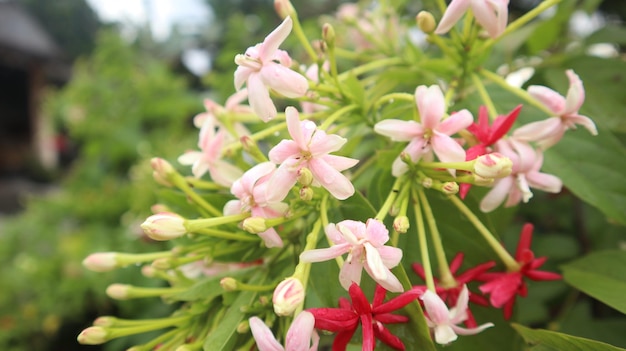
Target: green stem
column 444, row 47
column 297, row 28
column 421, row 235
column 181, row 183
column 484, row 95
column 523, row 94
column 332, row 118
column 370, row 66
column 505, row 257
column 222, row 234
column 194, row 224
column 384, row 209
column 393, row 97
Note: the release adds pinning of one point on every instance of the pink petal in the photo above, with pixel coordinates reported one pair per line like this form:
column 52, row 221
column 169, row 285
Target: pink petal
column 300, row 333
column 497, row 194
column 554, row 101
column 189, row 157
column 232, row 207
column 390, row 282
column 460, row 309
column 456, row 122
column 444, row 334
column 575, row 94
column 326, row 144
column 259, row 98
column 375, row 264
column 540, row 130
column 435, row 307
column 430, row 104
column 583, row 121
column 284, row 150
column 294, row 126
column 486, row 16
column 283, row 80
column 321, row 255
column 350, row 273
column 274, row 39
column 334, row 235
column 471, row 331
column 336, row 183
column 376, row 233
column 263, row 336
column 281, row 182
column 399, row 130
column 242, row 74
column 339, row 163
column 223, row 173
column 453, row 13
column 544, row 181
column 446, row 149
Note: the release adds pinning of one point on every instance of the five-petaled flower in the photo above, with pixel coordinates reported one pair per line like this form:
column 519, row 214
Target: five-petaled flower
column 300, row 337
column 449, row 291
column 432, row 133
column 263, row 67
column 491, row 14
column 525, row 175
column 502, row 287
column 310, row 148
column 345, row 319
column 549, row 131
column 365, row 245
column 444, row 322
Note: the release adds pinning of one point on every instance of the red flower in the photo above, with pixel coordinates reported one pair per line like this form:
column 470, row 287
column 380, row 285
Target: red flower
column 504, row 286
column 450, row 294
column 487, row 135
column 345, row 319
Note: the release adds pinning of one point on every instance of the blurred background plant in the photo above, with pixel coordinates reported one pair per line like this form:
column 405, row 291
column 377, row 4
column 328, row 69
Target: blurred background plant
column 131, row 98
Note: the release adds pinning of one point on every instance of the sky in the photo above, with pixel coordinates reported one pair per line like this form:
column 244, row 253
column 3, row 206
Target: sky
column 163, row 13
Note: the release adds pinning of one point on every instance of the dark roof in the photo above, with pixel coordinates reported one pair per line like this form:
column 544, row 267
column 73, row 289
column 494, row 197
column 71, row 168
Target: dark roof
column 21, row 34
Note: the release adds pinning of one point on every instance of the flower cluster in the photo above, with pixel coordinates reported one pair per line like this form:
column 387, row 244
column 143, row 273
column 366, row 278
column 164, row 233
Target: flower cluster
column 362, row 153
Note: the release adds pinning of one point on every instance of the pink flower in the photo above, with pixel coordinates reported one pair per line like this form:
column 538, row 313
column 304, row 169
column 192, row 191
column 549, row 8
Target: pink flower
column 525, row 175
column 310, row 149
column 300, row 337
column 365, row 245
column 548, row 132
column 209, row 158
column 264, row 67
column 250, row 189
column 432, row 132
column 232, row 106
column 503, row 286
column 345, row 319
column 443, row 321
column 491, row 14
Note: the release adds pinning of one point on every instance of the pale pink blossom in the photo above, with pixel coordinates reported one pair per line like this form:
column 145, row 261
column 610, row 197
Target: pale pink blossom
column 209, row 158
column 301, row 336
column 310, row 148
column 432, row 134
column 491, row 14
column 444, row 322
column 365, row 245
column 251, row 191
column 288, row 296
column 549, row 131
column 524, row 175
column 233, row 105
column 264, row 67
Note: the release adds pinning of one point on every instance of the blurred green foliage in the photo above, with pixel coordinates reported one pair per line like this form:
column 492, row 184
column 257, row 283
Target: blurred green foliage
column 121, row 108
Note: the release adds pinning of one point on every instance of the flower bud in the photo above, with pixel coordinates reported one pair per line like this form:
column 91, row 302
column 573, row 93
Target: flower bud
column 164, row 226
column 162, row 264
column 493, row 165
column 305, row 177
column 450, row 188
column 105, row 321
column 284, row 8
column 426, row 21
column 328, row 33
column 254, row 225
column 163, row 170
column 228, row 284
column 148, row 271
column 101, row 261
column 427, row 183
column 306, row 193
column 93, row 336
column 478, row 180
column 243, row 327
column 288, row 295
column 118, row 291
column 401, row 224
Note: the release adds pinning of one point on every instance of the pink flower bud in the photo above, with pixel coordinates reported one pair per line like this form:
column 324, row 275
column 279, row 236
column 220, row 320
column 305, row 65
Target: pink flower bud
column 306, row 193
column 450, row 188
column 401, row 224
column 493, row 165
column 228, row 284
column 162, row 171
column 284, row 8
column 164, row 226
column 101, row 261
column 118, row 291
column 288, row 295
column 93, row 336
column 105, row 321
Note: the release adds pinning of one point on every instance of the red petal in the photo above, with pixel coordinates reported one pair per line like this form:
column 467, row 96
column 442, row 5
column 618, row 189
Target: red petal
column 471, row 274
column 481, row 129
column 383, row 334
column 542, row 275
column 389, row 318
column 419, row 270
column 502, row 125
column 379, row 295
column 368, row 332
column 342, row 339
column 399, row 301
column 525, row 240
column 359, row 302
column 508, row 309
column 456, row 262
column 334, row 319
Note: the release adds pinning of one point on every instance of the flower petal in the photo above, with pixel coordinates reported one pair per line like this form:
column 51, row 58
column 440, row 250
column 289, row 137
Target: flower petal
column 300, row 333
column 430, row 104
column 336, row 183
column 575, row 94
column 456, row 122
column 497, row 194
column 554, row 101
column 399, row 130
column 263, row 336
column 259, row 98
column 453, row 13
column 274, row 39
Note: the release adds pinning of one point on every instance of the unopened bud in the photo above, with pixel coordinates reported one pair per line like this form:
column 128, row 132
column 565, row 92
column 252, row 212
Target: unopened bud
column 284, row 8
column 228, row 284
column 164, row 226
column 427, row 183
column 101, row 261
column 162, row 264
column 306, row 193
column 243, row 327
column 158, row 208
column 93, row 336
column 148, row 271
column 305, row 177
column 450, row 188
column 426, row 21
column 493, row 165
column 288, row 295
column 163, row 170
column 478, row 180
column 254, row 225
column 264, row 300
column 105, row 321
column 118, row 291
column 401, row 224
column 328, row 33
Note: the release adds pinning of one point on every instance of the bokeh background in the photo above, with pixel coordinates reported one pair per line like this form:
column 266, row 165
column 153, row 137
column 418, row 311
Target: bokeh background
column 90, row 90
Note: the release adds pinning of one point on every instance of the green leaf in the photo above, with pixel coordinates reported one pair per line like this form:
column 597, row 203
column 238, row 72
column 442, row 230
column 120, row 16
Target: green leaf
column 544, row 340
column 356, row 208
column 209, row 288
column 608, row 34
column 593, row 169
column 602, row 275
